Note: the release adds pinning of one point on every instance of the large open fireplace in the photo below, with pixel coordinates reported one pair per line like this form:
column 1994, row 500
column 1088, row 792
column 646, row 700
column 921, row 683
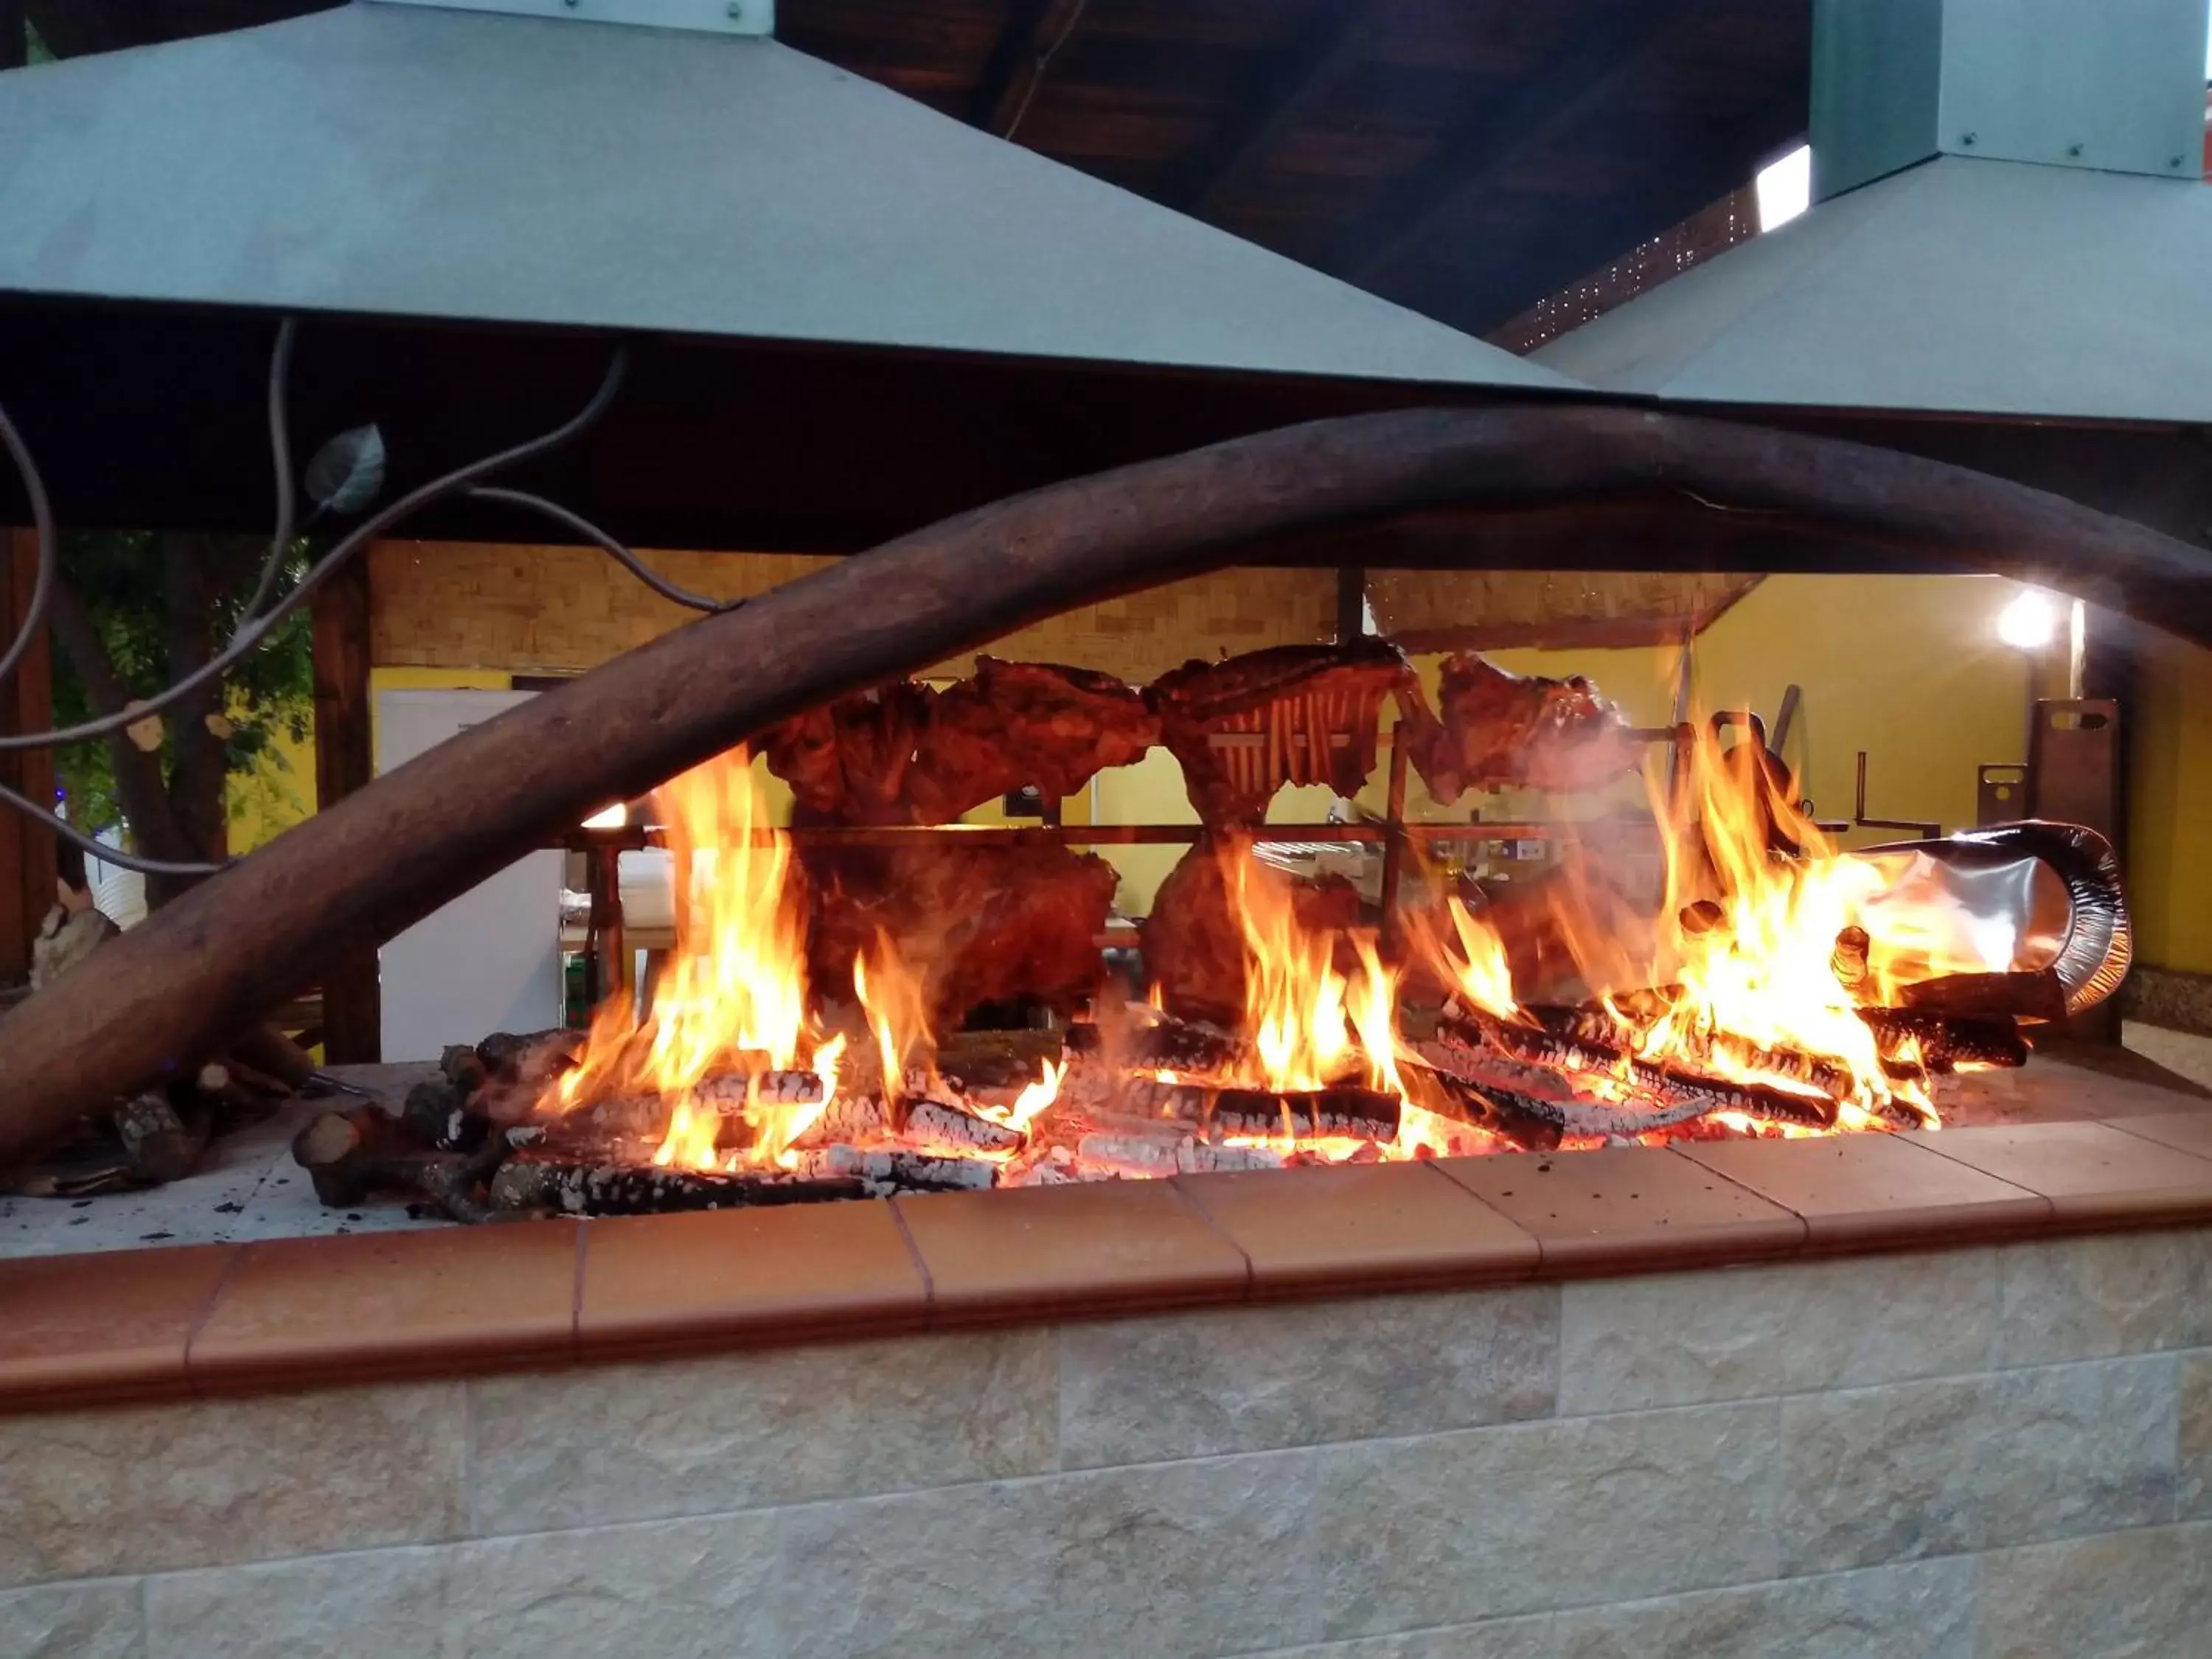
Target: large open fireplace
column 1526, row 1173
column 881, row 999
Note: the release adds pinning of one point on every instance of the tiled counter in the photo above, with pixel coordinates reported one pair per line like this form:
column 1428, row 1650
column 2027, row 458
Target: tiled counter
column 1948, row 1395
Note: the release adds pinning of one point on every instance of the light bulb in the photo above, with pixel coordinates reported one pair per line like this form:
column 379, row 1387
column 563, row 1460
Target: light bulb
column 2029, row 620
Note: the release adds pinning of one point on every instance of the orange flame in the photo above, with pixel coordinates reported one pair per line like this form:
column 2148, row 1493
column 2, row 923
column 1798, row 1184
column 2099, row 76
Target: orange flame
column 732, row 998
column 890, row 996
column 1295, row 1001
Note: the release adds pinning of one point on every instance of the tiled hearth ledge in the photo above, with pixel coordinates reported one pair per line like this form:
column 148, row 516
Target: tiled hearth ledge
column 229, row 1319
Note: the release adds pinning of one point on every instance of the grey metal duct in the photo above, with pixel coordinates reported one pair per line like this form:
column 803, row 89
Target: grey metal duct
column 2014, row 226
column 401, row 160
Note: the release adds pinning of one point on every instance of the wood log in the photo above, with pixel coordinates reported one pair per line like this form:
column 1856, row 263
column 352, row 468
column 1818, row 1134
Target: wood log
column 997, row 1059
column 162, row 1139
column 1945, row 1045
column 1158, row 1155
column 882, row 1172
column 530, row 1056
column 1342, row 1110
column 243, row 941
column 349, row 1154
column 1677, row 1093
column 2036, row 996
column 531, row 1185
column 1158, row 1042
column 1535, row 1119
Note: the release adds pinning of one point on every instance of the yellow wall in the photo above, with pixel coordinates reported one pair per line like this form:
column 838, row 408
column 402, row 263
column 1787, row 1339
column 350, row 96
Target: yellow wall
column 1908, row 668
column 281, row 792
column 2170, row 753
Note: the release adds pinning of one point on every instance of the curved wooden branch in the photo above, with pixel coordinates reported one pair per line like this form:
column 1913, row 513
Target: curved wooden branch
column 389, row 855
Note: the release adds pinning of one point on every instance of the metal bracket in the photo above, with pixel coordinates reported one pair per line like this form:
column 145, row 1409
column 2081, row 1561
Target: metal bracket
column 701, row 16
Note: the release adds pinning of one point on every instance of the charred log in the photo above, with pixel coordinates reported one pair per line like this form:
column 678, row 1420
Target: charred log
column 629, row 1189
column 1155, row 1155
column 1158, row 1042
column 1945, row 1045
column 882, row 1174
column 997, row 1059
column 1360, row 1114
column 2036, row 996
column 1679, row 1093
column 349, row 1154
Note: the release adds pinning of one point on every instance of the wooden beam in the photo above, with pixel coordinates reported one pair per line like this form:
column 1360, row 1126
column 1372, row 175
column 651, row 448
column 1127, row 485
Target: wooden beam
column 28, row 853
column 345, row 763
column 1535, row 113
column 1288, row 92
column 1351, row 602
column 1034, row 31
column 368, row 866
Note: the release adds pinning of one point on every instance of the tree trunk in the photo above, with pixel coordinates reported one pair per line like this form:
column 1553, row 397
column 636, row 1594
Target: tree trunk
column 199, row 769
column 419, row 835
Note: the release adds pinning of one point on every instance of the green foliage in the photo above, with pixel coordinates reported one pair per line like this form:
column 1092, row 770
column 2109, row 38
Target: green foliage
column 120, row 576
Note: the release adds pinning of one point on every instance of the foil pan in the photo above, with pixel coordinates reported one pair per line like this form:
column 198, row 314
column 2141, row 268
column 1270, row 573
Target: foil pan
column 2026, row 896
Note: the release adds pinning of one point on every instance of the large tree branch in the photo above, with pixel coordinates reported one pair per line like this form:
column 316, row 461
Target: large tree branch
column 386, row 856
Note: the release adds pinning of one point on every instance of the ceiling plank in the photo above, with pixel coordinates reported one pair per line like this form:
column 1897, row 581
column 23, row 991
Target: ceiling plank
column 1288, row 91
column 1035, row 30
column 1505, row 133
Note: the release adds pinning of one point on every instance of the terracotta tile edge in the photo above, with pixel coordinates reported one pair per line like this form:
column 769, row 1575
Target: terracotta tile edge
column 2115, row 1205
column 1631, row 1252
column 1206, row 1219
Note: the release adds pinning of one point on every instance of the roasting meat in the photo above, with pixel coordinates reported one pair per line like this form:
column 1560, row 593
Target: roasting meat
column 1017, row 724
column 848, row 762
column 1194, row 951
column 1306, row 713
column 976, row 924
column 1498, row 729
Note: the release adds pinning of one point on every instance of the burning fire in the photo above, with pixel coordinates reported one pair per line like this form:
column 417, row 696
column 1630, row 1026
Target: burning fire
column 1766, row 944
column 732, row 1001
column 1750, row 978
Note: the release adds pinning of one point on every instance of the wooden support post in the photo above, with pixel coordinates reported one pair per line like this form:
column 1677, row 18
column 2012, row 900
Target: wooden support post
column 1394, row 849
column 27, row 704
column 1351, row 604
column 344, row 761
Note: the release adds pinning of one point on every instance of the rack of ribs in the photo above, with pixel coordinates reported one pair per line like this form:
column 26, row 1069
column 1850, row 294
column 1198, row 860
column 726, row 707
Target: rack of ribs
column 1498, row 729
column 1295, row 713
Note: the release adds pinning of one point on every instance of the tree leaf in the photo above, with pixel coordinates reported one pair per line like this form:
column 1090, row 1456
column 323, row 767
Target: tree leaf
column 347, row 472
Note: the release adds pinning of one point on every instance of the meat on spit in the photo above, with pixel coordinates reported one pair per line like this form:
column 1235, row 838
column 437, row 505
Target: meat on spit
column 977, row 924
column 1017, row 724
column 1308, row 714
column 1194, row 949
column 1497, row 730
column 847, row 761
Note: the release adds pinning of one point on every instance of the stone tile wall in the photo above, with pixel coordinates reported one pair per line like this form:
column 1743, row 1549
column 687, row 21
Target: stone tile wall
column 1983, row 1454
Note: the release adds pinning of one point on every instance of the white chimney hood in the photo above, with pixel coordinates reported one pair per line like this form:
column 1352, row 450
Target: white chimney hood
column 2009, row 220
column 403, row 160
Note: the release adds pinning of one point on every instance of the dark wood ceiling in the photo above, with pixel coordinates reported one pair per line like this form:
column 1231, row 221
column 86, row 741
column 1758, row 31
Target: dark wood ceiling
column 1463, row 157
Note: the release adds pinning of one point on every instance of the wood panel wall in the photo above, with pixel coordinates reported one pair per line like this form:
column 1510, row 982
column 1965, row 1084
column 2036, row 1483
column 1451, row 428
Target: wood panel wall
column 560, row 610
